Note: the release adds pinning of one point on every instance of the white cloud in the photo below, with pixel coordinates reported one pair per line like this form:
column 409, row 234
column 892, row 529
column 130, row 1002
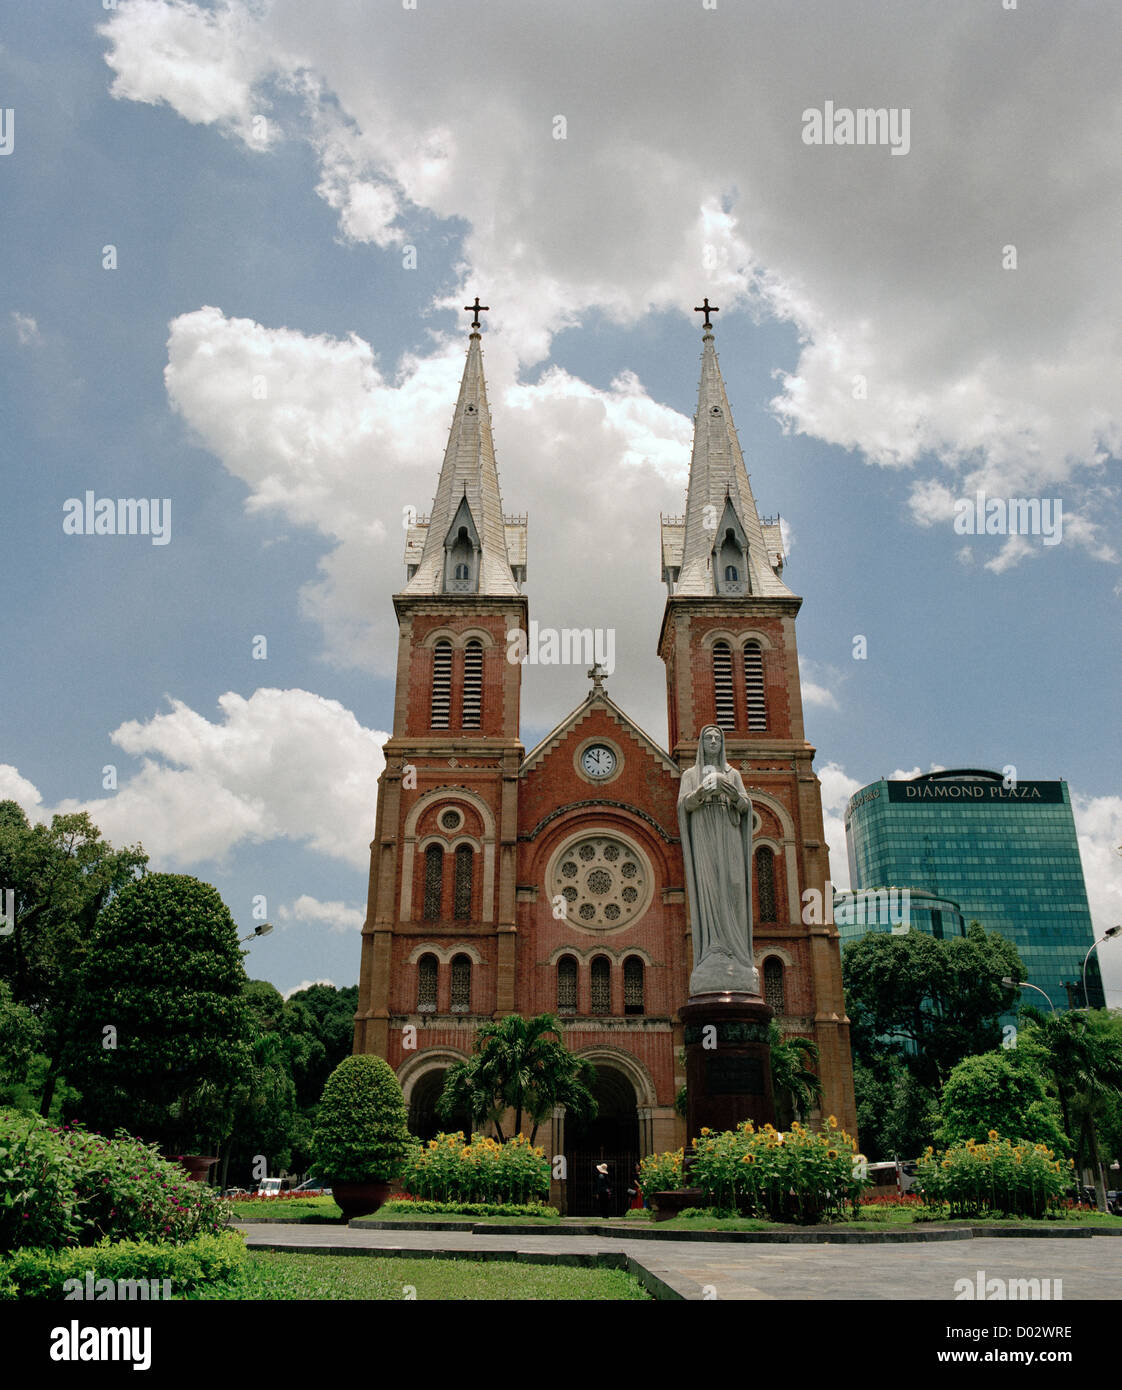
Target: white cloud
column 15, row 788
column 818, row 695
column 889, row 268
column 1098, row 825
column 338, row 447
column 837, row 788
column 336, row 916
column 283, row 764
column 307, row 984
column 27, row 330
column 202, row 63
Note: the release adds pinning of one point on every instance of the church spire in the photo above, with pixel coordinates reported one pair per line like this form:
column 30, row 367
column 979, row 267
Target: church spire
column 721, row 546
column 463, row 546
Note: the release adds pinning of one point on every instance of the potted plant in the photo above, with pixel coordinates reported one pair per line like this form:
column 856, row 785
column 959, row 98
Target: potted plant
column 361, row 1138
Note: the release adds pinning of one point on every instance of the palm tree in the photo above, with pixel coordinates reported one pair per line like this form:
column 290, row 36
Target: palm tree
column 1082, row 1052
column 522, row 1065
column 791, row 1075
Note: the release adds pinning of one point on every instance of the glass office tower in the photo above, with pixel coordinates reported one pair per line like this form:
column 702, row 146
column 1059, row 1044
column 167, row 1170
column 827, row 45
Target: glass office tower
column 1008, row 856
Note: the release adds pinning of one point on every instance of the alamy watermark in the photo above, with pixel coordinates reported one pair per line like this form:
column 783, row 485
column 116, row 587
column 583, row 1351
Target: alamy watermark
column 999, row 1290
column 567, row 646
column 123, row 516
column 1010, row 516
column 867, row 125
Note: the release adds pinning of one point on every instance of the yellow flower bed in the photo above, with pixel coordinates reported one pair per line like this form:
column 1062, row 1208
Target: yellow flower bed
column 448, row 1170
column 1019, row 1179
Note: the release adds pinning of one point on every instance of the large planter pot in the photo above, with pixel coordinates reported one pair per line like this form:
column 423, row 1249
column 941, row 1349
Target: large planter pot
column 196, row 1165
column 359, row 1198
column 668, row 1204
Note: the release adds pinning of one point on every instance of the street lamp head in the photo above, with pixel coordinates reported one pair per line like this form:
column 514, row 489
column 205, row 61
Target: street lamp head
column 1114, row 931
column 1009, row 980
column 263, row 929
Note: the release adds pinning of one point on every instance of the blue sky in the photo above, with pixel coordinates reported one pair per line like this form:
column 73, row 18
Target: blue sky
column 264, row 357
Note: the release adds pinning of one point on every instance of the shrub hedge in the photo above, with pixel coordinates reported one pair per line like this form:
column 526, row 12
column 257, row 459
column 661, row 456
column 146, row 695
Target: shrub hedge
column 66, row 1187
column 198, row 1263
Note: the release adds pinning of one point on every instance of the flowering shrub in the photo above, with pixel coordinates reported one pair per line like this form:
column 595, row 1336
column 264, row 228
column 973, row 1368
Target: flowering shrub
column 660, row 1173
column 891, row 1199
column 448, row 1170
column 66, row 1187
column 1017, row 1179
column 799, row 1176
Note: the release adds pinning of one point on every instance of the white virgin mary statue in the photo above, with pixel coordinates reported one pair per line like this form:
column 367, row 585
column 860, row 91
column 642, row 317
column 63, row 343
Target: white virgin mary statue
column 715, row 820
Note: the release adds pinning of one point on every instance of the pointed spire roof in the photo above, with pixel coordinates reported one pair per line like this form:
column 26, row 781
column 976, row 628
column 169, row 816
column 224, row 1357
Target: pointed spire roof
column 718, row 482
column 469, row 474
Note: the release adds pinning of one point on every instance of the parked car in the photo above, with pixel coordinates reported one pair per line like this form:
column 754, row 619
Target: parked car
column 270, row 1187
column 236, row 1192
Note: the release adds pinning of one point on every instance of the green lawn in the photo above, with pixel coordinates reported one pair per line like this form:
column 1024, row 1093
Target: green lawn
column 275, row 1276
column 291, row 1208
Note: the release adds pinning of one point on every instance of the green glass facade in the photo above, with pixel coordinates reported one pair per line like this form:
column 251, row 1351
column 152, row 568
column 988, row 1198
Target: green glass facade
column 882, row 909
column 1007, row 855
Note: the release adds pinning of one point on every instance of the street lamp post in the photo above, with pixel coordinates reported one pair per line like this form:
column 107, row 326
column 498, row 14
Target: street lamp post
column 1024, row 984
column 262, row 929
column 1110, row 931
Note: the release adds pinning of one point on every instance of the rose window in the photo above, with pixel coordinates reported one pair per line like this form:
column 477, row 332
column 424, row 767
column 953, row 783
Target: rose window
column 604, row 881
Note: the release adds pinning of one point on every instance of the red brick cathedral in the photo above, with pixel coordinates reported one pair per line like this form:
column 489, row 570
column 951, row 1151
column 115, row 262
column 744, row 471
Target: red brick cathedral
column 505, row 881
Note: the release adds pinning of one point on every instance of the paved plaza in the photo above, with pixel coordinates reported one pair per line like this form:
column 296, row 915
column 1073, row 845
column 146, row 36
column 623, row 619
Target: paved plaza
column 1090, row 1267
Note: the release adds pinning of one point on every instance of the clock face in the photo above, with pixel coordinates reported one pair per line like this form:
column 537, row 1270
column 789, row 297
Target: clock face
column 598, row 761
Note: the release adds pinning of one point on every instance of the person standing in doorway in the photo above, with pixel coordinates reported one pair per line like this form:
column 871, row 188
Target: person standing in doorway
column 603, row 1190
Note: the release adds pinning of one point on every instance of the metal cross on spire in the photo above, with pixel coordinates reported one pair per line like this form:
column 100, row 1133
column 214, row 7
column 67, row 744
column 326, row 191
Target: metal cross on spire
column 706, row 308
column 476, row 309
column 596, row 675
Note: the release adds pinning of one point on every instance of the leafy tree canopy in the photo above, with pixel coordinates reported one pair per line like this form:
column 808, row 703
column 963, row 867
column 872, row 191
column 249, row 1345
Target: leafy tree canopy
column 999, row 1090
column 929, row 1002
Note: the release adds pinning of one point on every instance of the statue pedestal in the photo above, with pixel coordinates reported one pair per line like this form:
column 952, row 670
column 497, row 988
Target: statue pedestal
column 728, row 1062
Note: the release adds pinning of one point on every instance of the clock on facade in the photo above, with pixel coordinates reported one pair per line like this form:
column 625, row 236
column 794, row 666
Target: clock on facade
column 598, row 761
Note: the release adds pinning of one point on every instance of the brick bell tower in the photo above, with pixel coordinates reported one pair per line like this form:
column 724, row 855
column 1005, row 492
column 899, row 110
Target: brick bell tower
column 439, row 934
column 728, row 641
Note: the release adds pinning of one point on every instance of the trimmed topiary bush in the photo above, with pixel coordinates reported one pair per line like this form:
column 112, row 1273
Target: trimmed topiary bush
column 362, row 1133
column 67, row 1187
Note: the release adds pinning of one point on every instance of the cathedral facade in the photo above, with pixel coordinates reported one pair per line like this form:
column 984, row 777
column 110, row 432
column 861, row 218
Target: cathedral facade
column 551, row 880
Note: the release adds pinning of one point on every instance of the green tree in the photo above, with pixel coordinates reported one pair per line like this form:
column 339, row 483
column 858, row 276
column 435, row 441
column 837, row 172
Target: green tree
column 928, row 1002
column 362, row 1132
column 895, row 1111
column 522, row 1065
column 1082, row 1053
column 794, row 1082
column 161, row 1032
column 20, row 1038
column 999, row 1090
column 62, row 876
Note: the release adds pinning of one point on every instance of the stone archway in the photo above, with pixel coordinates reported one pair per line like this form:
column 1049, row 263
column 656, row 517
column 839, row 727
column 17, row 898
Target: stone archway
column 424, row 1123
column 611, row 1138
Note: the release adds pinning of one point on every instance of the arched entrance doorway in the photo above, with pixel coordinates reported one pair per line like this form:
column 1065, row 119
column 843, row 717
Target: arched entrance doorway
column 424, row 1122
column 611, row 1138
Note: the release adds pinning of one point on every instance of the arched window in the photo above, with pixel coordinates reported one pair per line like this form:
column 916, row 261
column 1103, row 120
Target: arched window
column 465, row 857
column 754, row 687
column 633, row 985
column 434, row 883
column 461, row 984
column 473, row 685
column 601, row 985
column 722, row 685
column 773, row 985
column 765, row 885
column 732, row 575
column 441, row 684
column 463, row 572
column 567, row 985
column 426, row 985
